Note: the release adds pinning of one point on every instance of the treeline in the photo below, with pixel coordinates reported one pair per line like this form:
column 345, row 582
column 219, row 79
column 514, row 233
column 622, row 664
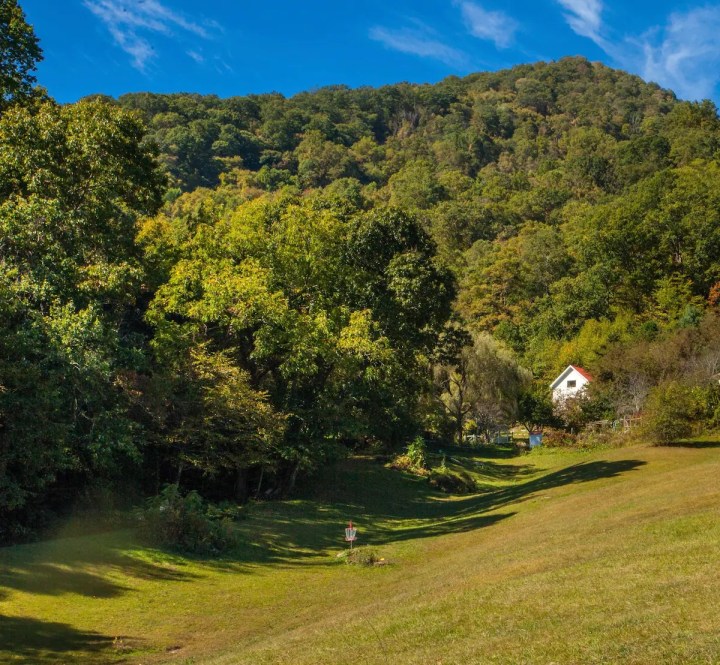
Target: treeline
column 228, row 294
column 518, row 119
column 221, row 343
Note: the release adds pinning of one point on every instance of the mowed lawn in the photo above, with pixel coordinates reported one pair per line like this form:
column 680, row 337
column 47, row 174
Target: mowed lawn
column 563, row 557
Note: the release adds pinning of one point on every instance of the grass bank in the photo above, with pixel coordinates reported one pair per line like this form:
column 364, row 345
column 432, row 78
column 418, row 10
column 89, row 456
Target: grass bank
column 563, row 557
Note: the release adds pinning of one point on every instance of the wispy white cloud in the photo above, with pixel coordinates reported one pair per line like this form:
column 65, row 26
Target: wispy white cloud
column 494, row 26
column 222, row 66
column 132, row 22
column 197, row 57
column 419, row 41
column 684, row 55
column 585, row 18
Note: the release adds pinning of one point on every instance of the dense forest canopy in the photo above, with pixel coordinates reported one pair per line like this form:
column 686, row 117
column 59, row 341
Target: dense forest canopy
column 557, row 193
column 229, row 293
column 531, row 118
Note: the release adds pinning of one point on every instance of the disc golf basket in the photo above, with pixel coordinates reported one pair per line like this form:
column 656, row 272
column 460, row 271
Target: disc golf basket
column 350, row 534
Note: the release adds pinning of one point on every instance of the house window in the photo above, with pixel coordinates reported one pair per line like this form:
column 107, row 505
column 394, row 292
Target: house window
column 571, row 384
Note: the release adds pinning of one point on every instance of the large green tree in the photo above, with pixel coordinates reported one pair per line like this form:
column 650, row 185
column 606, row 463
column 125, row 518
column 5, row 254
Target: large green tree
column 74, row 181
column 482, row 384
column 328, row 317
column 19, row 54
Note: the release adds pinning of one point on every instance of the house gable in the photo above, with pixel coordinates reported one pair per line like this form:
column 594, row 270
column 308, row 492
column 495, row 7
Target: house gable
column 571, row 381
column 565, row 373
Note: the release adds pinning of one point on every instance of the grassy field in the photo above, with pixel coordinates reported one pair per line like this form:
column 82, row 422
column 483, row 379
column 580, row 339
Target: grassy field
column 563, row 557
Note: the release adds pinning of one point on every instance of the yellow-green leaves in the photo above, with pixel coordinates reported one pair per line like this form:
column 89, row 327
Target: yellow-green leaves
column 325, row 316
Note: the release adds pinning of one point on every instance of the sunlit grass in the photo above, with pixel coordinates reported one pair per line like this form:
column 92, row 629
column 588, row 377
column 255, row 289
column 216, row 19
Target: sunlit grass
column 564, row 557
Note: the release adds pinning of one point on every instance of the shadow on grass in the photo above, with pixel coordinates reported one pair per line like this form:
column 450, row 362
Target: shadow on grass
column 389, row 506
column 32, row 642
column 67, row 566
column 694, row 444
column 484, row 451
column 496, row 472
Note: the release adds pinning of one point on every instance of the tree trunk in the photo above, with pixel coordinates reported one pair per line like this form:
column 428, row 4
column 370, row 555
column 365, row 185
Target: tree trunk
column 241, row 485
column 293, row 477
column 459, row 431
column 4, row 452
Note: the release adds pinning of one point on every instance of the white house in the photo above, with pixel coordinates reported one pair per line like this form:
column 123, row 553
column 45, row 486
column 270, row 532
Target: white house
column 571, row 382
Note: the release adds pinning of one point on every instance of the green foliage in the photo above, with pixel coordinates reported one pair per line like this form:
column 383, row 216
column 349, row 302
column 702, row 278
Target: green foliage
column 75, row 180
column 404, row 463
column 594, row 403
column 670, row 412
column 414, row 460
column 574, row 203
column 452, row 481
column 535, row 410
column 479, row 382
column 292, row 294
column 20, row 54
column 207, row 416
column 185, row 523
column 682, row 356
column 317, row 319
column 406, row 136
column 417, row 452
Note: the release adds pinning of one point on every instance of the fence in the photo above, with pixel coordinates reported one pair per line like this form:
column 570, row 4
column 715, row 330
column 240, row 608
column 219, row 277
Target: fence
column 624, row 424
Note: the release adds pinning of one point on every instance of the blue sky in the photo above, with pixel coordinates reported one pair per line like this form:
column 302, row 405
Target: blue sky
column 236, row 47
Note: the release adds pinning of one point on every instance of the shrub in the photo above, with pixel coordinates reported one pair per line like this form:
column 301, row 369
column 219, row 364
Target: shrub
column 402, row 463
column 185, row 523
column 671, row 410
column 557, row 438
column 226, row 510
column 363, row 556
column 417, row 452
column 452, row 482
column 414, row 459
column 603, row 438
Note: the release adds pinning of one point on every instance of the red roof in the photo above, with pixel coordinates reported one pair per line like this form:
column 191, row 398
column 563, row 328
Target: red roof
column 584, row 372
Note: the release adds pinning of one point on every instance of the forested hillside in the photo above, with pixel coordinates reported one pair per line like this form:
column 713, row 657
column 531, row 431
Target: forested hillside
column 230, row 293
column 558, row 193
column 575, row 205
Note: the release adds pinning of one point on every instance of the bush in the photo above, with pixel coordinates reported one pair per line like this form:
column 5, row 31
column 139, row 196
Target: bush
column 185, row 523
column 417, row 452
column 671, row 411
column 364, row 556
column 452, row 482
column 226, row 510
column 404, row 463
column 603, row 438
column 414, row 459
column 557, row 438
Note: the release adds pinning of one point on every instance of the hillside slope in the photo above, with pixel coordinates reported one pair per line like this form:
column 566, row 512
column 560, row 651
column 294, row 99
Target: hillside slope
column 564, row 557
column 574, row 203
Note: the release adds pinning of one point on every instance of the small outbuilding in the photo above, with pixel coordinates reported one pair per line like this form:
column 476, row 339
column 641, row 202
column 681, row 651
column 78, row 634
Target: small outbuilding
column 571, row 381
